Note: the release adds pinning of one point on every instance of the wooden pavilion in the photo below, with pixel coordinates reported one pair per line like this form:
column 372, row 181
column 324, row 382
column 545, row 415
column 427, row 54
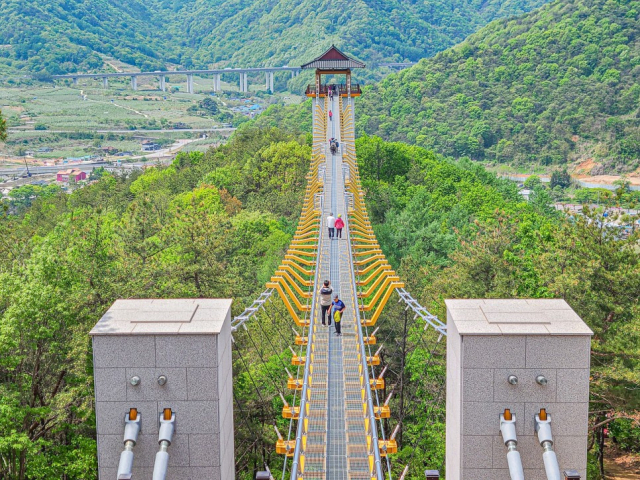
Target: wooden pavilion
column 333, row 62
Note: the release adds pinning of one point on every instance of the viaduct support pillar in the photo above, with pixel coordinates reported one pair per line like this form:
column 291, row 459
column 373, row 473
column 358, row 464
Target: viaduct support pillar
column 105, row 82
column 189, row 83
column 271, row 82
column 134, row 82
column 75, row 80
column 523, row 356
column 246, row 83
column 266, row 81
column 216, row 82
column 163, row 83
column 241, row 82
column 175, row 355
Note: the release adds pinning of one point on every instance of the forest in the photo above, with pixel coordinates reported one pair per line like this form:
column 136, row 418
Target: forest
column 455, row 231
column 549, row 87
column 65, row 36
column 217, row 224
column 169, row 232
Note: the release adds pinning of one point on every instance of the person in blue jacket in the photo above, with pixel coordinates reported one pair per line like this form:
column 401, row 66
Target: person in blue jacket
column 337, row 308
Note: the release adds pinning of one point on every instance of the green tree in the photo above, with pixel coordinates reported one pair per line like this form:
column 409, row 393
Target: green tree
column 560, row 179
column 532, row 182
column 23, row 197
column 209, row 106
column 622, row 187
column 3, row 128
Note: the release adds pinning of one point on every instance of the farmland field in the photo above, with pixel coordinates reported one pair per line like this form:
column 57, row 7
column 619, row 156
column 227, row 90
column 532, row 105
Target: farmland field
column 70, row 120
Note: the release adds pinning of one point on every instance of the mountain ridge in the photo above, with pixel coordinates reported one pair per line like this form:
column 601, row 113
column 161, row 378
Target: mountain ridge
column 64, row 36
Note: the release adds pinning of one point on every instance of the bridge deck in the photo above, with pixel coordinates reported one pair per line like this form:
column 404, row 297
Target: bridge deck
column 337, row 441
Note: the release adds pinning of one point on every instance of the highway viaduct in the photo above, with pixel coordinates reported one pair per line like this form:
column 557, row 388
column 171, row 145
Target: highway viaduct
column 161, row 75
column 217, row 73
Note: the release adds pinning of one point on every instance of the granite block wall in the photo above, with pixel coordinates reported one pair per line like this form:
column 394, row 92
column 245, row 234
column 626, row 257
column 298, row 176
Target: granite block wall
column 198, row 390
column 479, row 362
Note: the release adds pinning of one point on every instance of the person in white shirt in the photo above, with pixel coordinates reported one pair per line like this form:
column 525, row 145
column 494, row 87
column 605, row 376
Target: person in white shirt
column 331, row 223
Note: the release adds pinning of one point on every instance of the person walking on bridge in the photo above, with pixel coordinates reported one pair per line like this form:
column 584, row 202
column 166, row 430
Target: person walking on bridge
column 337, row 308
column 325, row 301
column 339, row 226
column 330, row 116
column 331, row 223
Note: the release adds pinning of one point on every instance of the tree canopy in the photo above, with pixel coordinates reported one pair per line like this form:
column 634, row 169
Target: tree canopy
column 187, row 230
column 453, row 230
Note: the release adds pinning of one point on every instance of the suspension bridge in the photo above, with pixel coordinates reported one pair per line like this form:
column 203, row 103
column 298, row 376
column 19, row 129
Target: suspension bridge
column 181, row 372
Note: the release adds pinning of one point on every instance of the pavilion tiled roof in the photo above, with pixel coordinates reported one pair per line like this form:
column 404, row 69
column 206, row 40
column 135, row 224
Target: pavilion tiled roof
column 333, row 59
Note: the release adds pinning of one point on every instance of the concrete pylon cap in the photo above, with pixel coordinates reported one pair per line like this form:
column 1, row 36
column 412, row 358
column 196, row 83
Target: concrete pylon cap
column 515, row 317
column 164, row 316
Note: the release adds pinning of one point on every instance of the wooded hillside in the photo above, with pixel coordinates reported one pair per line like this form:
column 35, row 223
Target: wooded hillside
column 551, row 86
column 59, row 36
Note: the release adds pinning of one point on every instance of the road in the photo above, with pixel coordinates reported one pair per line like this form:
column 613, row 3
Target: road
column 165, row 130
column 160, row 155
column 85, row 167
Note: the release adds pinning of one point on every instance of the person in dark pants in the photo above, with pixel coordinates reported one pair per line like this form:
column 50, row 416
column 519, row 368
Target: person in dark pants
column 337, row 308
column 325, row 301
column 339, row 226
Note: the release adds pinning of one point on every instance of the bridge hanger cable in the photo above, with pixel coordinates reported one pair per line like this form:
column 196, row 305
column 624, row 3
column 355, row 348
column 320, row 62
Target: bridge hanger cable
column 245, row 416
column 271, row 344
column 281, row 390
column 413, row 397
column 422, row 344
column 430, row 362
column 278, row 388
column 418, row 405
column 423, row 430
column 363, row 322
column 250, row 376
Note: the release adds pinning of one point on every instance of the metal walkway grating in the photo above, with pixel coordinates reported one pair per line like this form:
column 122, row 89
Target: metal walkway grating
column 337, row 441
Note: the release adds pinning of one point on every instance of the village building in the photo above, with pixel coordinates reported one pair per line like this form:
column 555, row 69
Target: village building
column 73, row 174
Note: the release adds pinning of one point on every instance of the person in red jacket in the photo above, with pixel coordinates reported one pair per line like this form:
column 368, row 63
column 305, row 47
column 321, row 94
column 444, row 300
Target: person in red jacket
column 339, row 226
column 330, row 115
